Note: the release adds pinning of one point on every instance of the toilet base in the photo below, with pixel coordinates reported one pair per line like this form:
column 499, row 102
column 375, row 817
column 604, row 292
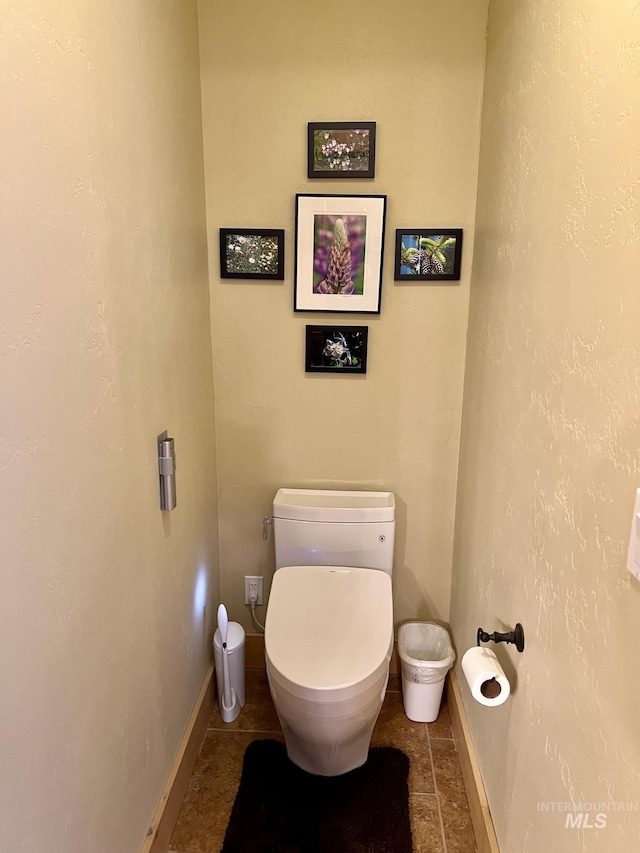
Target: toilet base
column 329, row 739
column 328, row 759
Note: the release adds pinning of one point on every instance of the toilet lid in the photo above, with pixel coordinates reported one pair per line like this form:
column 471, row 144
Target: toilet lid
column 315, row 611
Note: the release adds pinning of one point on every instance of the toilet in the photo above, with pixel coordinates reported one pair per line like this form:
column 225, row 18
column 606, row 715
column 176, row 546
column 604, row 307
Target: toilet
column 329, row 623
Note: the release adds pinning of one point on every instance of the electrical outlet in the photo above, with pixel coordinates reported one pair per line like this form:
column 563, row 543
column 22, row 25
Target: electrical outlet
column 252, row 587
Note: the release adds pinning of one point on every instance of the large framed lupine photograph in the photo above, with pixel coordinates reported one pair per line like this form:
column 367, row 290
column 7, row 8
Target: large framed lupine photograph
column 341, row 149
column 252, row 253
column 428, row 254
column 339, row 249
column 336, row 349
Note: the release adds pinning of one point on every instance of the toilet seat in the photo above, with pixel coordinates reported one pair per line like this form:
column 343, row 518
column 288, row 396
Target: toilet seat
column 329, row 631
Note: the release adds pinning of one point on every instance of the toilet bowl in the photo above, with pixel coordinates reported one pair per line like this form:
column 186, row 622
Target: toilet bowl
column 328, row 643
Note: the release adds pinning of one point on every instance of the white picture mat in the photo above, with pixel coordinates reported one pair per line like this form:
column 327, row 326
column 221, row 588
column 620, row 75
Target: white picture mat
column 373, row 207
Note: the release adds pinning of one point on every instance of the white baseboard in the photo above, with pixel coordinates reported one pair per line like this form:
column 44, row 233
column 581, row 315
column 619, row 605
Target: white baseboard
column 166, row 814
column 478, row 806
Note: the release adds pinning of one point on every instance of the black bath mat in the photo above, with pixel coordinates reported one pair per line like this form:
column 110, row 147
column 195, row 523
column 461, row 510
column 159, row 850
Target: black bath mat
column 280, row 808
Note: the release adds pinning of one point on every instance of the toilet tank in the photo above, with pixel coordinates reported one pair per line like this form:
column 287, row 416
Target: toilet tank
column 321, row 527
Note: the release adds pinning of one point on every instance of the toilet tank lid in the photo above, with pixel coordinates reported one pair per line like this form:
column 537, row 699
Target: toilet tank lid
column 334, row 506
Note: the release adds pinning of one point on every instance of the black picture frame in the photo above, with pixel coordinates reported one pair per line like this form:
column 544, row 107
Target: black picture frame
column 339, row 253
column 348, row 356
column 441, row 250
column 341, row 149
column 254, row 254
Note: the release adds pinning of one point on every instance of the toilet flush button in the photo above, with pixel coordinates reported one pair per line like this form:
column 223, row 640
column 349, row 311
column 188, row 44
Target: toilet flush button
column 633, row 557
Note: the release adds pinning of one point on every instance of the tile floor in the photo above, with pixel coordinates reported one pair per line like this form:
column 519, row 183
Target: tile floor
column 440, row 817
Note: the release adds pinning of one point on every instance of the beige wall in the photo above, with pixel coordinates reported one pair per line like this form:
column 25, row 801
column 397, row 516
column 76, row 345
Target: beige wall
column 550, row 458
column 105, row 605
column 267, row 70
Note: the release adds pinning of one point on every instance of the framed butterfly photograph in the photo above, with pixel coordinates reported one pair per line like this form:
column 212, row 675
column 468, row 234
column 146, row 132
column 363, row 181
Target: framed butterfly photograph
column 428, row 254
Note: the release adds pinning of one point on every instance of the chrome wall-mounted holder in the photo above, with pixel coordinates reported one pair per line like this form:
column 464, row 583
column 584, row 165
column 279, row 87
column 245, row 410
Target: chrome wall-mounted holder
column 167, row 471
column 516, row 637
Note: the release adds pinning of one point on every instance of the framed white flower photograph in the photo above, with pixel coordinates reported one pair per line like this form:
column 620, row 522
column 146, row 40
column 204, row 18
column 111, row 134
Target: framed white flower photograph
column 252, row 253
column 341, row 149
column 336, row 349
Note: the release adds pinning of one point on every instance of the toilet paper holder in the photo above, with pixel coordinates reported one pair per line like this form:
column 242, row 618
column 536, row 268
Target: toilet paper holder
column 516, row 637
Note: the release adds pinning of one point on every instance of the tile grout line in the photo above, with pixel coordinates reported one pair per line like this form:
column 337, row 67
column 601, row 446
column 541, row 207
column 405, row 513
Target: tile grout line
column 435, row 787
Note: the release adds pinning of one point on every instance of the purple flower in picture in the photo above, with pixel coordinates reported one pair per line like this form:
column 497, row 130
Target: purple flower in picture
column 337, row 277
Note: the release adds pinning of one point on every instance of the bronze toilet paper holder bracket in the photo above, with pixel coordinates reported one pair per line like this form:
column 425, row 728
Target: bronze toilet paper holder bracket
column 516, row 637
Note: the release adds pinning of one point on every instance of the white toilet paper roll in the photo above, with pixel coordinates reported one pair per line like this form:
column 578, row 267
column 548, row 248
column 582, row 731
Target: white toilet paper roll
column 489, row 685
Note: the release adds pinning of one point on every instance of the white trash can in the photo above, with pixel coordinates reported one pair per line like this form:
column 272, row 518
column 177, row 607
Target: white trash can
column 235, row 649
column 426, row 656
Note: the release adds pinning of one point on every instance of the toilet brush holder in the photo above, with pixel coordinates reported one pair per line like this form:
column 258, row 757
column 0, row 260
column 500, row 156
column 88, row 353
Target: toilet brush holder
column 235, row 670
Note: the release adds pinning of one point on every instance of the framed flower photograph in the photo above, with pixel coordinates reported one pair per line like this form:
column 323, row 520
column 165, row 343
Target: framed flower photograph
column 341, row 149
column 339, row 248
column 428, row 254
column 336, row 349
column 252, row 253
